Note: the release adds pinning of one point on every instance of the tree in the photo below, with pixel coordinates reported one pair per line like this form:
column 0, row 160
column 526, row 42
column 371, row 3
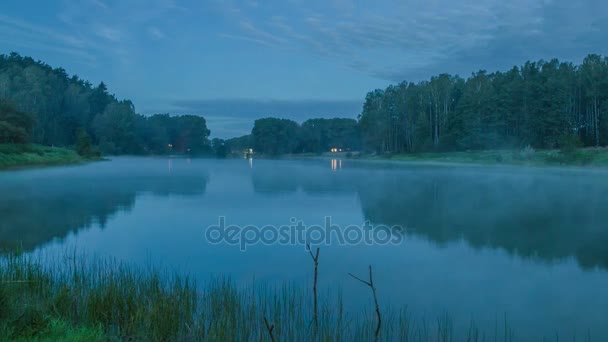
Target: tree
column 537, row 104
column 62, row 105
column 239, row 144
column 115, row 129
column 15, row 126
column 219, row 148
column 275, row 136
column 83, row 143
column 320, row 135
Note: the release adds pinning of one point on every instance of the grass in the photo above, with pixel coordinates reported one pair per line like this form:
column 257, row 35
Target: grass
column 24, row 155
column 80, row 299
column 531, row 157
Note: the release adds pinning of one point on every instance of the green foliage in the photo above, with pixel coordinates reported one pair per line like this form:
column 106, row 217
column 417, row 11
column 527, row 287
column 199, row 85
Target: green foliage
column 240, row 144
column 569, row 143
column 61, row 106
column 83, row 144
column 527, row 153
column 275, row 136
column 78, row 299
column 321, row 135
column 536, row 104
column 18, row 155
column 15, row 126
column 219, row 147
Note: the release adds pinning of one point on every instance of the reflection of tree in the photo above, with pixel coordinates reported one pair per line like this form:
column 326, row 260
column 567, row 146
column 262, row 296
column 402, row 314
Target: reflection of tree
column 35, row 210
column 537, row 215
column 546, row 217
column 273, row 178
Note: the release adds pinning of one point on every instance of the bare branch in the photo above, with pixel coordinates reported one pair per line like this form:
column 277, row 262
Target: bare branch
column 270, row 329
column 373, row 288
column 315, row 259
column 359, row 279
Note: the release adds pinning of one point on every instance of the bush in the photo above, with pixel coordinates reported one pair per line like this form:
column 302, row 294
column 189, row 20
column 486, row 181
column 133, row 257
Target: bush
column 83, row 143
column 569, row 143
column 15, row 126
column 576, row 157
column 527, row 153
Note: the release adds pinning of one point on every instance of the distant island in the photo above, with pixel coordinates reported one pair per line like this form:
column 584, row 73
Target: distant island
column 555, row 107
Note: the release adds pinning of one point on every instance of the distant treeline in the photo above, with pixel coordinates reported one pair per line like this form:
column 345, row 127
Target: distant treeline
column 44, row 105
column 275, row 136
column 540, row 104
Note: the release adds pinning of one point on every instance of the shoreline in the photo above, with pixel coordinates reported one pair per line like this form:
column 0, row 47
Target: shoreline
column 29, row 156
column 583, row 159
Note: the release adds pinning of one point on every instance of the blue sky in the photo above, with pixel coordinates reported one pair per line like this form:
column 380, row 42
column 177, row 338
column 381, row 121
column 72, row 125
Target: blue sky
column 234, row 61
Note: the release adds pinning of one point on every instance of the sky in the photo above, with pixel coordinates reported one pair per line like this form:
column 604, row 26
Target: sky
column 234, row 61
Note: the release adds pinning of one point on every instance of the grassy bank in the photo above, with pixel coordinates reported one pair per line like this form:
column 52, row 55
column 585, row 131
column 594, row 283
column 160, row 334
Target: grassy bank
column 78, row 299
column 528, row 156
column 16, row 156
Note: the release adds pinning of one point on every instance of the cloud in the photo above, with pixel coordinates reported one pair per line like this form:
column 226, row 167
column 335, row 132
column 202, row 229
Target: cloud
column 115, row 28
column 246, row 38
column 156, row 33
column 23, row 34
column 415, row 39
column 108, row 33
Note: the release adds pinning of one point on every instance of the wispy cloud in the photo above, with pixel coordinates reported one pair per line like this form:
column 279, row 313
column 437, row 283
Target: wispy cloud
column 246, row 39
column 20, row 33
column 395, row 39
column 156, row 33
column 108, row 33
column 91, row 28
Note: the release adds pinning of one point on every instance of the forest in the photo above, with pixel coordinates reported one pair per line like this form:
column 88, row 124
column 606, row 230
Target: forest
column 44, row 105
column 541, row 105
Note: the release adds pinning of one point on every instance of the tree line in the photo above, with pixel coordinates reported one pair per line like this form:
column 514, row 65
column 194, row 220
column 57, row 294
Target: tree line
column 45, row 105
column 275, row 136
column 544, row 104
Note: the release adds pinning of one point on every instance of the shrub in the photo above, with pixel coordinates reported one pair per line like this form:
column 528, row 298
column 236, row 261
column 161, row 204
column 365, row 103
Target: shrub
column 83, row 143
column 569, row 143
column 527, row 153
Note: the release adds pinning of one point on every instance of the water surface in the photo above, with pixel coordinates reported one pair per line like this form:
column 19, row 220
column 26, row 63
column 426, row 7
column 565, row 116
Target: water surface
column 480, row 242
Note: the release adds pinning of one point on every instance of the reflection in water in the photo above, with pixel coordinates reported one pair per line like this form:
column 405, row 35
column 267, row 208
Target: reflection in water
column 250, row 163
column 37, row 206
column 336, row 164
column 543, row 214
column 476, row 235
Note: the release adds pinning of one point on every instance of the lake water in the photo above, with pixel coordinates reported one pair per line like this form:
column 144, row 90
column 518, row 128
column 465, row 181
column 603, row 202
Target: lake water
column 479, row 243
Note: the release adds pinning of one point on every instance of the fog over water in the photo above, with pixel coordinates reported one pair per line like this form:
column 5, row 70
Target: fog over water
column 479, row 243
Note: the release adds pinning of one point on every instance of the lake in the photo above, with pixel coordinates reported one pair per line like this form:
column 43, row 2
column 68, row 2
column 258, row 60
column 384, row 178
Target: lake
column 481, row 243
